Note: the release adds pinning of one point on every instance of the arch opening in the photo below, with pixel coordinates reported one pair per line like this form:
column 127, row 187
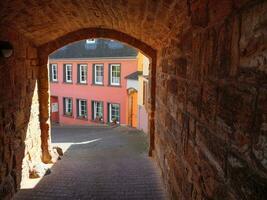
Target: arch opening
column 45, row 50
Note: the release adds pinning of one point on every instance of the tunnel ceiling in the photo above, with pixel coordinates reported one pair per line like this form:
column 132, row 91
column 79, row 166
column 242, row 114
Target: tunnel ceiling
column 43, row 21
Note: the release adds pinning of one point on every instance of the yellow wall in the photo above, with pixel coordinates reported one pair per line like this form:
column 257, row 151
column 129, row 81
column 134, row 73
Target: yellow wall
column 143, row 65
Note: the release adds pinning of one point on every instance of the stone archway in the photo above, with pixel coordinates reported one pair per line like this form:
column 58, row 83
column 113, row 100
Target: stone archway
column 210, row 105
column 46, row 49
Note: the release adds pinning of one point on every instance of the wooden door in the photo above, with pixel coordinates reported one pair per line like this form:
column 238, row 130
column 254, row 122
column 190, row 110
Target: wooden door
column 132, row 109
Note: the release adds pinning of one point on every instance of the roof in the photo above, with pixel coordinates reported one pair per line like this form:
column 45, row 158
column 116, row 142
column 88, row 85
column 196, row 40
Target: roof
column 133, row 76
column 98, row 48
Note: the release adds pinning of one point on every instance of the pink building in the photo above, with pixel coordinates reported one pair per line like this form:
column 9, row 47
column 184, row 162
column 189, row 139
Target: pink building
column 88, row 84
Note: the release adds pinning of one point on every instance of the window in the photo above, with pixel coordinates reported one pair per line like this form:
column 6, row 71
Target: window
column 68, row 73
column 81, row 108
column 115, row 74
column 98, row 74
column 90, row 44
column 82, row 74
column 53, row 72
column 97, row 110
column 90, row 41
column 114, row 112
column 67, row 102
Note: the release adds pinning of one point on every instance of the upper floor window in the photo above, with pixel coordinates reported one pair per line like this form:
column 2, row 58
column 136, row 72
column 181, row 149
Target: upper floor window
column 97, row 110
column 67, row 104
column 115, row 74
column 81, row 108
column 114, row 112
column 53, row 73
column 67, row 73
column 82, row 73
column 98, row 74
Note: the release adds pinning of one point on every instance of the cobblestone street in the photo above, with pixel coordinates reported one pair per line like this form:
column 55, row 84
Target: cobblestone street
column 99, row 163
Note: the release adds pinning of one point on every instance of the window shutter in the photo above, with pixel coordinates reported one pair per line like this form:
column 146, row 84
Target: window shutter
column 93, row 74
column 119, row 118
column 109, row 72
column 77, row 107
column 86, row 72
column 64, row 73
column 92, row 110
column 120, row 74
column 86, row 112
column 108, row 113
column 64, row 106
column 78, row 73
column 50, row 72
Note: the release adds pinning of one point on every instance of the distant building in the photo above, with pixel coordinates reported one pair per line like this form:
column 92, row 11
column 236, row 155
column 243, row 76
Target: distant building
column 137, row 89
column 88, row 84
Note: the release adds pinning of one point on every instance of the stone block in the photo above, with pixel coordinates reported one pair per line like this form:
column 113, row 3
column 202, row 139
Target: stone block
column 218, row 10
column 199, row 13
column 181, row 67
column 209, row 102
column 31, row 52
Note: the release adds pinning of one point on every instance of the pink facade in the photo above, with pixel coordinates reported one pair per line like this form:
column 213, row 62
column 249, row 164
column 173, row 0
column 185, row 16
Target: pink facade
column 89, row 91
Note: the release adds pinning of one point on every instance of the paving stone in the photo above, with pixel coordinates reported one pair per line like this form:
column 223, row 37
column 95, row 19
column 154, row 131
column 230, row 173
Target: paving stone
column 100, row 163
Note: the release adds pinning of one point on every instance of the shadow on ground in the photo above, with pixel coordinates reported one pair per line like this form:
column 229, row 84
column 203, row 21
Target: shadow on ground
column 99, row 163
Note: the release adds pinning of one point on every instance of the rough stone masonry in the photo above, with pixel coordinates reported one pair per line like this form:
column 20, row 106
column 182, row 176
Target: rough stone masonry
column 208, row 86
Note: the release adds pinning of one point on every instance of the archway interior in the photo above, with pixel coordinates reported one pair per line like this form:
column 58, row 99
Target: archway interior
column 211, row 85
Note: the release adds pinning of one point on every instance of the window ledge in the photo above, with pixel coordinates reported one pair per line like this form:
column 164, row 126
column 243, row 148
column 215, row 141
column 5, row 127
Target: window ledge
column 118, row 86
column 81, row 83
column 67, row 82
column 97, row 121
column 94, row 84
column 69, row 116
column 82, row 118
column 54, row 81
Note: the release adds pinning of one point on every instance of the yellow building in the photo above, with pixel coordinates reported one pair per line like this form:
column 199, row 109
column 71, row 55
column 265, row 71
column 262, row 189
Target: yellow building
column 137, row 89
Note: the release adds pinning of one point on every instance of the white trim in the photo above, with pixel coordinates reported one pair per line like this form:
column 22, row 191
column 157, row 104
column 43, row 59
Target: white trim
column 95, row 73
column 68, row 68
column 80, row 108
column 54, row 66
column 90, row 41
column 81, row 66
column 68, row 105
column 112, row 82
column 110, row 111
column 95, row 109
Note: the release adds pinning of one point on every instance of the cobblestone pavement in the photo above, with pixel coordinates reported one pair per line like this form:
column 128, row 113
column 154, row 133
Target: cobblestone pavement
column 99, row 163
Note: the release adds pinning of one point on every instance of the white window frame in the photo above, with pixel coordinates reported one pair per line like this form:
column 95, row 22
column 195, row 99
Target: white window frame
column 90, row 41
column 68, row 69
column 111, row 75
column 96, row 105
column 68, row 105
column 80, row 106
column 54, row 72
column 83, row 68
column 110, row 112
column 101, row 66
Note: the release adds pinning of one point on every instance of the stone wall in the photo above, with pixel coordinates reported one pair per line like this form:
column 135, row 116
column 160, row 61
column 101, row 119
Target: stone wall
column 211, row 103
column 20, row 142
column 208, row 73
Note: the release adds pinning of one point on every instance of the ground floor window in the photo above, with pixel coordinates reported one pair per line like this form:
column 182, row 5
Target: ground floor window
column 67, row 104
column 97, row 110
column 81, row 108
column 114, row 112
